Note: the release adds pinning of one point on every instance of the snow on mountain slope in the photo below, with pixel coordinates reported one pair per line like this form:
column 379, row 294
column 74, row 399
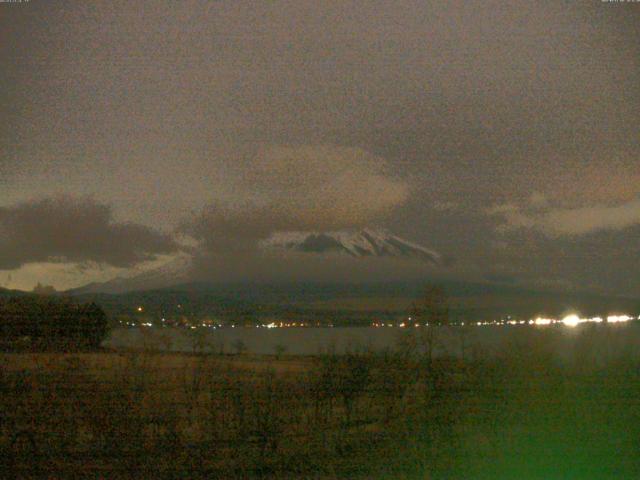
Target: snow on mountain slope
column 363, row 243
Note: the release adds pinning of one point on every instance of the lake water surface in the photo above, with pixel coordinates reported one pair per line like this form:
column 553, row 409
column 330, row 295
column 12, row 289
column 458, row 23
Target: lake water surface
column 598, row 341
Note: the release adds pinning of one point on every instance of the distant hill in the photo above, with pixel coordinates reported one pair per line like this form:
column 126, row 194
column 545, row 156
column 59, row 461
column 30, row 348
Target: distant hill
column 5, row 292
column 174, row 272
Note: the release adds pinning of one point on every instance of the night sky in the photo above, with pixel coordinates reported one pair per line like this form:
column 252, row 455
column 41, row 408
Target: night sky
column 504, row 135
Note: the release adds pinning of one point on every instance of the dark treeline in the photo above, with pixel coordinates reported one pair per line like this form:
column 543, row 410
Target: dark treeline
column 44, row 322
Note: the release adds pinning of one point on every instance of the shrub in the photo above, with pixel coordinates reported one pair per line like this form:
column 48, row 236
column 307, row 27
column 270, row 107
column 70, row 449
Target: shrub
column 50, row 322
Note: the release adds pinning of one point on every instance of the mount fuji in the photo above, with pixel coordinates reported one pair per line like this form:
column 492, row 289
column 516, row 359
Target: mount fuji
column 363, row 243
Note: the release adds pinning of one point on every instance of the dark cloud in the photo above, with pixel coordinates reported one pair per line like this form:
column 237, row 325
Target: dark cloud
column 320, row 187
column 222, row 228
column 70, row 229
column 603, row 260
column 161, row 107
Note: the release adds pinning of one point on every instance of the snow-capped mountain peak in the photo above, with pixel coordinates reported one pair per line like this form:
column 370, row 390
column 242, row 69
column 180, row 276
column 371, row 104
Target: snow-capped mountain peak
column 363, row 243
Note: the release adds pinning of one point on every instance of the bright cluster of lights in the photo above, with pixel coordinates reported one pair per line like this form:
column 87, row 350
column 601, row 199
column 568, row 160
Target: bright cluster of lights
column 572, row 320
column 390, row 324
column 619, row 318
column 544, row 321
column 283, row 325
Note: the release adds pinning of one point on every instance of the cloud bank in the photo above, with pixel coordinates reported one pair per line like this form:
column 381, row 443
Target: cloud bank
column 74, row 229
column 301, row 188
column 555, row 222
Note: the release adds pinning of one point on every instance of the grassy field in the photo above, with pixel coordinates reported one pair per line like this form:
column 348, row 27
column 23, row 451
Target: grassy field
column 394, row 414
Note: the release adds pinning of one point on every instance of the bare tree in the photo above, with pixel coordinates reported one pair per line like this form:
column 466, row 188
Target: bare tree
column 279, row 350
column 432, row 311
column 239, row 346
column 198, row 340
column 352, row 378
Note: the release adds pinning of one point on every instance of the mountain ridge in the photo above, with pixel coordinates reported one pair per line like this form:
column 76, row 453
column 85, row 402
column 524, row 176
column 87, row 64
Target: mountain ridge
column 365, row 243
column 468, row 300
column 173, row 272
